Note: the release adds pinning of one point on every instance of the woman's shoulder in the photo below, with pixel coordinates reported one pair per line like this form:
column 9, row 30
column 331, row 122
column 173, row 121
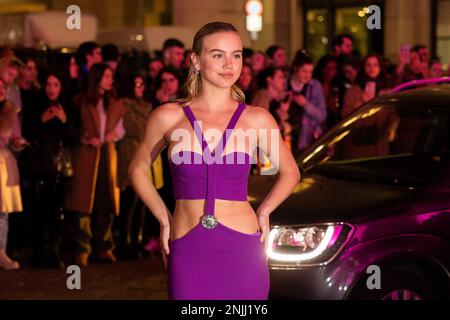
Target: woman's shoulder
column 168, row 108
column 169, row 113
column 255, row 110
column 260, row 117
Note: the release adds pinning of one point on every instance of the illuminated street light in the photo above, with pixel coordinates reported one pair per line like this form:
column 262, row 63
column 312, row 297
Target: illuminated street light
column 254, row 10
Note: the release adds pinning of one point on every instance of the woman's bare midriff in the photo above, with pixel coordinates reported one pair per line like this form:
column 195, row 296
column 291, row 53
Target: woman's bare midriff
column 237, row 215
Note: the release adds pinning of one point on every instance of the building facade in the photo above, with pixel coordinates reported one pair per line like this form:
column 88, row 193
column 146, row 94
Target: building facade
column 293, row 24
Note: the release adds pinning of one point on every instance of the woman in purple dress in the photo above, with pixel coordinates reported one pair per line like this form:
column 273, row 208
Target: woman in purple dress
column 214, row 242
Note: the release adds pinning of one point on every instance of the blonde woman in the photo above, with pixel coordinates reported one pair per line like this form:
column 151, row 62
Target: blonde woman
column 214, row 240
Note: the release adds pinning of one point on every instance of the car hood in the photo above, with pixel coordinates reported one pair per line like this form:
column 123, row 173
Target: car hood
column 318, row 199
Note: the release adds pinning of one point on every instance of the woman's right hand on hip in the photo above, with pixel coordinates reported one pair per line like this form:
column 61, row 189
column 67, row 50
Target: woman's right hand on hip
column 164, row 238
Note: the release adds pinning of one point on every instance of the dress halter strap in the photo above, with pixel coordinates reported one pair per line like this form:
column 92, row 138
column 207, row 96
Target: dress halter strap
column 213, row 167
column 226, row 134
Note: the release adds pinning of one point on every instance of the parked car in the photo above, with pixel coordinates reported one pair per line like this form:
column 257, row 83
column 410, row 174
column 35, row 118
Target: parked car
column 374, row 196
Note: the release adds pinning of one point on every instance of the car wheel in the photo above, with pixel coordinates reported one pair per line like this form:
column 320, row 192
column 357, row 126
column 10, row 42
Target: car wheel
column 396, row 284
column 402, row 294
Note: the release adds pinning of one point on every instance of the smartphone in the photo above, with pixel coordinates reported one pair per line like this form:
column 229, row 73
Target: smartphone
column 404, row 51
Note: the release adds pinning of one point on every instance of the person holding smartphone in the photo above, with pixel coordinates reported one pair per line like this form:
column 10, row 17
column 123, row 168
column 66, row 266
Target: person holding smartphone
column 308, row 101
column 371, row 135
column 414, row 64
column 371, row 81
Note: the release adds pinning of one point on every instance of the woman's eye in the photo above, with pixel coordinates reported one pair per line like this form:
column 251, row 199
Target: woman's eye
column 237, row 56
column 217, row 56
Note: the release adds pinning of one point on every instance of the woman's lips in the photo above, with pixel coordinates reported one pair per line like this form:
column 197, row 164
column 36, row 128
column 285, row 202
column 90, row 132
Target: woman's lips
column 226, row 75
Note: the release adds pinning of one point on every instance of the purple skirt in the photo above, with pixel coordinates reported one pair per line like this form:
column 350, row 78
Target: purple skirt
column 217, row 264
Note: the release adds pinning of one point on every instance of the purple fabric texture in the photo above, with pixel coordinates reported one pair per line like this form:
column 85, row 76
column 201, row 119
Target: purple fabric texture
column 220, row 178
column 219, row 263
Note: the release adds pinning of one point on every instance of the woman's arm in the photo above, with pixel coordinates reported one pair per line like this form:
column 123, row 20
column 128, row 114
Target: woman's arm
column 283, row 162
column 149, row 148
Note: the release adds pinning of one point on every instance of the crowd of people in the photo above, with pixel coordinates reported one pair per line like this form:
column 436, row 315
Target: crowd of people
column 70, row 124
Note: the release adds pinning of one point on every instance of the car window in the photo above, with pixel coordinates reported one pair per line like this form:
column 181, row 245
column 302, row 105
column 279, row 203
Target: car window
column 395, row 144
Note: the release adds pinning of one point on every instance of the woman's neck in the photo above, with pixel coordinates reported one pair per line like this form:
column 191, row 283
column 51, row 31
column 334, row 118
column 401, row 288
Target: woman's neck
column 213, row 99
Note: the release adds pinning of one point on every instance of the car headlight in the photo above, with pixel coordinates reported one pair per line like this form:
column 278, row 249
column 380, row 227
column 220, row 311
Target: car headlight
column 306, row 245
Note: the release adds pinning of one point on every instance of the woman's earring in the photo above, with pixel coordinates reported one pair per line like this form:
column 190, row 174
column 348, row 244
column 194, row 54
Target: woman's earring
column 197, row 72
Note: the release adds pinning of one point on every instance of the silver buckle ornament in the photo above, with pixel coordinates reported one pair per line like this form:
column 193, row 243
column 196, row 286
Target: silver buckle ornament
column 209, row 222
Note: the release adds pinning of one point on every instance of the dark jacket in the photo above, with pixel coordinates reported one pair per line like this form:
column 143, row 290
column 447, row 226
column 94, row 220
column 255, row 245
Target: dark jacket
column 46, row 139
